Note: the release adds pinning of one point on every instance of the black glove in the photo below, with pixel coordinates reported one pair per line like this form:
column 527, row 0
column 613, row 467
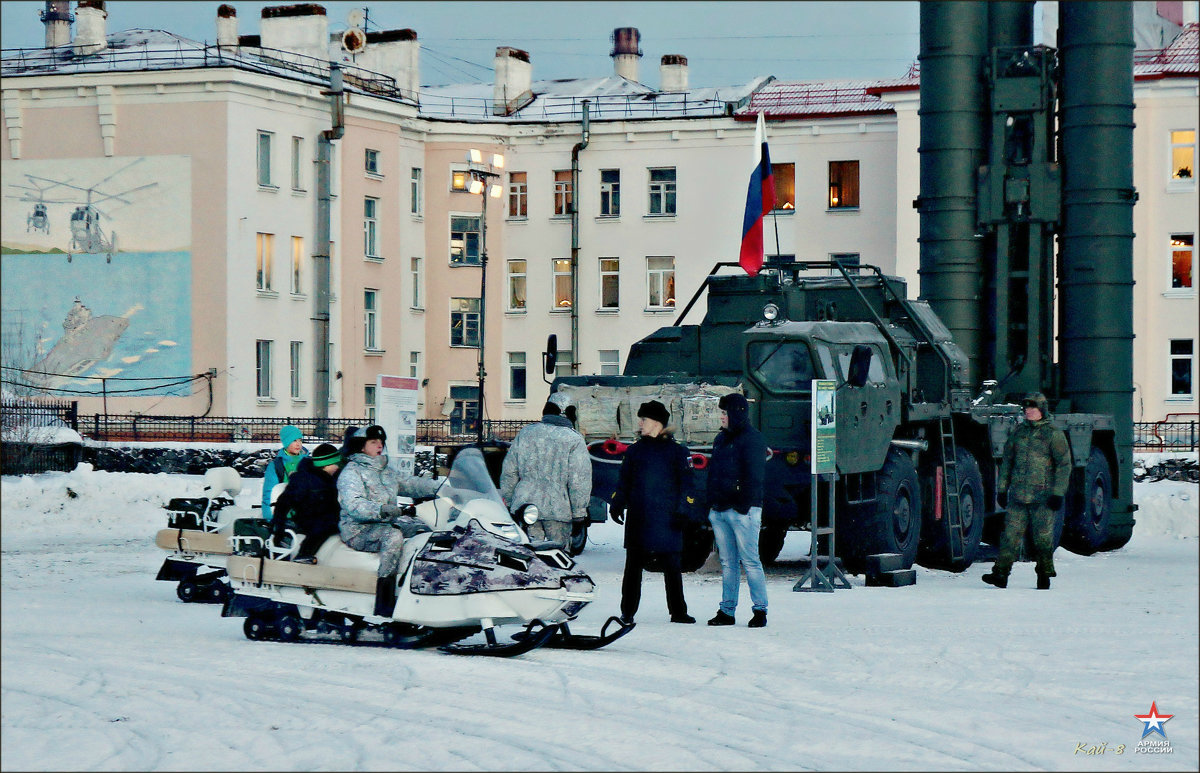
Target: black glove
column 391, row 511
column 1054, row 502
column 1002, row 499
column 618, row 516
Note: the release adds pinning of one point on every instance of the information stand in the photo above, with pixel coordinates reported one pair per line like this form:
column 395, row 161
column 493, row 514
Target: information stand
column 823, row 574
column 396, row 412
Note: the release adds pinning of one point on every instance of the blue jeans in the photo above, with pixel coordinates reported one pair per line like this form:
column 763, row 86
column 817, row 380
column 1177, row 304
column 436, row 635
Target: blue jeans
column 737, row 541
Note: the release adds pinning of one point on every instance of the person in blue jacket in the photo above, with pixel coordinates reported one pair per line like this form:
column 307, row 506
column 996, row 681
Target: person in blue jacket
column 283, row 465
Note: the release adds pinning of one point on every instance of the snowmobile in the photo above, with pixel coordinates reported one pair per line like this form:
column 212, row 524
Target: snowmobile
column 198, row 534
column 475, row 571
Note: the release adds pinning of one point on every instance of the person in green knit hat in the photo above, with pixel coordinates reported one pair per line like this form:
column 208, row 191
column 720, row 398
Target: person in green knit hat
column 292, row 450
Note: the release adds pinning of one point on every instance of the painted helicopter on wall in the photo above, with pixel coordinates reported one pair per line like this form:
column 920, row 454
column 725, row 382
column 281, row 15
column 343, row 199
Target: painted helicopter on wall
column 38, row 218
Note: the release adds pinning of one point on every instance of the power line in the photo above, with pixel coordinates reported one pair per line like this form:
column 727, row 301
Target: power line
column 102, row 378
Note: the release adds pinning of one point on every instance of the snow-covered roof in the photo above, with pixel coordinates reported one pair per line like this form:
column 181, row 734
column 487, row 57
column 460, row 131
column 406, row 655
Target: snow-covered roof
column 1181, row 58
column 817, row 99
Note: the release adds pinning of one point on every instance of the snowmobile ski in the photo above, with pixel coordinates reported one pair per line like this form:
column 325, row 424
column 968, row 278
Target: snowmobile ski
column 566, row 640
column 535, row 635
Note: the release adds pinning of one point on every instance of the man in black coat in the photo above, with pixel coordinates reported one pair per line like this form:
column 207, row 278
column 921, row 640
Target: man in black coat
column 652, row 502
column 310, row 501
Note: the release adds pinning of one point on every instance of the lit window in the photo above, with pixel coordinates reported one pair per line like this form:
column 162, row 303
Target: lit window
column 1183, row 155
column 414, row 191
column 459, row 179
column 464, row 322
column 464, row 409
column 562, row 283
column 297, row 262
column 295, row 369
column 610, row 192
column 371, row 227
column 562, row 192
column 262, row 369
column 372, row 161
column 516, row 375
column 660, row 282
column 464, row 240
column 662, row 191
column 843, row 184
column 371, row 319
column 1183, row 261
column 264, row 247
column 610, row 283
column 784, row 176
column 518, row 194
column 516, row 285
column 264, row 158
column 1182, row 367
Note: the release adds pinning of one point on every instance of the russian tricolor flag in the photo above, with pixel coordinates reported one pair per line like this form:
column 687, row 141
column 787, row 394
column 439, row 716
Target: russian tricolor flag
column 760, row 199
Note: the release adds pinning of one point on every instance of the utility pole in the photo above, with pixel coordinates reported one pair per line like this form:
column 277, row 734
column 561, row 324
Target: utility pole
column 321, row 262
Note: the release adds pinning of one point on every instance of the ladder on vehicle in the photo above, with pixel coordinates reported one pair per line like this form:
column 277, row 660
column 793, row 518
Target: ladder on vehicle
column 953, row 511
column 823, row 573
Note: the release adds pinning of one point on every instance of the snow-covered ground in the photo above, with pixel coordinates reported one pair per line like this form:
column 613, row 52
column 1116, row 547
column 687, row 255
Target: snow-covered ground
column 104, row 669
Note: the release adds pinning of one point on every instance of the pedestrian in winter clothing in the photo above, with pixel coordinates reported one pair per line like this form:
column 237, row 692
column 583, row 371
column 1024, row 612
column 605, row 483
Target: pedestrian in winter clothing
column 652, row 502
column 283, row 465
column 310, row 501
column 1034, row 474
column 371, row 518
column 548, row 466
column 735, row 497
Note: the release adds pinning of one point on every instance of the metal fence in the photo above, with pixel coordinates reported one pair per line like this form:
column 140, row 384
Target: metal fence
column 1166, row 435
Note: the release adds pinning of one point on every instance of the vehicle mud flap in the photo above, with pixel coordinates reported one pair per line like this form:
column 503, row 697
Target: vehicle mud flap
column 173, row 569
column 566, row 640
column 535, row 635
column 238, row 605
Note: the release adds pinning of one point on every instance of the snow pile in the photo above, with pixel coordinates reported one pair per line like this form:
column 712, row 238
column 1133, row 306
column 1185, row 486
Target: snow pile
column 1167, row 508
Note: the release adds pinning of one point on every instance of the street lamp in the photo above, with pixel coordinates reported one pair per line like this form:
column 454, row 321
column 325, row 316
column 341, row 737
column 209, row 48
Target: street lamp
column 482, row 174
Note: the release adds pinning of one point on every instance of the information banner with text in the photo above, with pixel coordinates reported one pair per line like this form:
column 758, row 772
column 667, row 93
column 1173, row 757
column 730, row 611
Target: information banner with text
column 396, row 412
column 824, row 427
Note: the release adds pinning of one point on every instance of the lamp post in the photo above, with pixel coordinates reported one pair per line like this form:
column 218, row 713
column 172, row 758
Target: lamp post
column 482, row 176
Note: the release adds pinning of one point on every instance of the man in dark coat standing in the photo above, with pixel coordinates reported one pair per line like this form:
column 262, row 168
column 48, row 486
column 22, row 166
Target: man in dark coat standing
column 652, row 502
column 310, row 501
column 735, row 497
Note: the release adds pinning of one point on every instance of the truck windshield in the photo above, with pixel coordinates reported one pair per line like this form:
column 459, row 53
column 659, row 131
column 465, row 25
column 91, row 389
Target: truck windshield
column 784, row 366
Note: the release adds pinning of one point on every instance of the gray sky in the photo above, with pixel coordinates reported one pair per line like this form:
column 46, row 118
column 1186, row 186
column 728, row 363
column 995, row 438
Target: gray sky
column 726, row 43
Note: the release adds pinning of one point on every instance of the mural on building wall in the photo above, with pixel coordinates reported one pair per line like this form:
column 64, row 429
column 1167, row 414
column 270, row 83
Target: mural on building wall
column 97, row 269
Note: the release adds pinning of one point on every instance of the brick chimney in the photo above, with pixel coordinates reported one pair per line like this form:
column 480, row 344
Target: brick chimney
column 300, row 29
column 57, row 18
column 514, row 76
column 227, row 26
column 396, row 53
column 91, row 28
column 626, row 52
column 673, row 73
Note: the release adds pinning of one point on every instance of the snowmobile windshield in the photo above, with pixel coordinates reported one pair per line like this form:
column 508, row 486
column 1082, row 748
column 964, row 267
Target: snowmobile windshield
column 469, row 480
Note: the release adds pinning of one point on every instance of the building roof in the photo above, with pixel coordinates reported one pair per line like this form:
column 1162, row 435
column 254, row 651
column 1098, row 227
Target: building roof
column 1181, row 58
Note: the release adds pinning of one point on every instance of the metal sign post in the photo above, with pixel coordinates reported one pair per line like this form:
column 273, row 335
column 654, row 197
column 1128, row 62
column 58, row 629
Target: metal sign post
column 823, row 574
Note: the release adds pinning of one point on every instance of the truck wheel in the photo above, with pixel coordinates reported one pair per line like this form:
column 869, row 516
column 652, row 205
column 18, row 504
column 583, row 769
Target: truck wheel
column 889, row 524
column 1089, row 508
column 935, row 535
column 697, row 545
column 770, row 541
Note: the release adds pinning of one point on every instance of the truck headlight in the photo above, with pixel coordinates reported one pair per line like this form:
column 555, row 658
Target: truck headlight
column 770, row 312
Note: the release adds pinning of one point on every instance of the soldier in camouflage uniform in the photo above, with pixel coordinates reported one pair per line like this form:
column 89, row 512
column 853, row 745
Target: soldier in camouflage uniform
column 1034, row 475
column 371, row 518
column 548, row 466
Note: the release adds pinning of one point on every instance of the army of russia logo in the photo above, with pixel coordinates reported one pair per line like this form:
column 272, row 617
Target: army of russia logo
column 1153, row 723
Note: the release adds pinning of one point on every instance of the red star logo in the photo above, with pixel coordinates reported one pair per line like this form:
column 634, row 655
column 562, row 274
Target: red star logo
column 1154, row 721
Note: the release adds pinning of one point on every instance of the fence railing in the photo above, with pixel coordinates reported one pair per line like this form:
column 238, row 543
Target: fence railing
column 1166, row 435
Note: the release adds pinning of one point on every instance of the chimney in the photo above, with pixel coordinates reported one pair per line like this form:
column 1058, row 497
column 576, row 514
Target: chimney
column 227, row 32
column 395, row 53
column 57, row 18
column 626, row 52
column 514, row 74
column 673, row 73
column 91, row 35
column 300, row 29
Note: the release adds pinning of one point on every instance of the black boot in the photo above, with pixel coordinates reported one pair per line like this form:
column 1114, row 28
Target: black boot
column 759, row 620
column 385, row 595
column 999, row 580
column 1043, row 581
column 721, row 619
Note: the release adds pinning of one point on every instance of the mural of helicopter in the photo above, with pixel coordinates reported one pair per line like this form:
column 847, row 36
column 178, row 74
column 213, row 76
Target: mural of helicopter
column 87, row 235
column 39, row 218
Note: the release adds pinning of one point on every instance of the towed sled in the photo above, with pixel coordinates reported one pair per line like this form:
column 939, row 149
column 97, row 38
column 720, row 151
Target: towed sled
column 459, row 583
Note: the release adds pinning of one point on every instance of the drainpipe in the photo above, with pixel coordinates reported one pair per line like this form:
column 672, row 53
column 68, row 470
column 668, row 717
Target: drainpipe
column 321, row 263
column 583, row 143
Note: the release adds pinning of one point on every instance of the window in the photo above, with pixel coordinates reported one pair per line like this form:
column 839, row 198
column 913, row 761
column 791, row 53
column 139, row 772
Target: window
column 297, row 156
column 610, row 192
column 264, row 246
column 562, row 192
column 415, row 195
column 781, row 366
column 417, row 295
column 516, row 285
column 518, row 194
column 464, row 409
column 610, row 283
column 843, row 185
column 662, row 191
column 464, row 322
column 562, row 283
column 264, row 158
column 1181, row 367
column 414, row 364
column 610, row 362
column 516, row 375
column 371, row 162
column 459, row 179
column 297, row 262
column 262, row 369
column 464, row 240
column 371, row 227
column 294, row 369
column 660, row 282
column 785, row 186
column 369, row 401
column 562, row 365
column 371, row 319
column 1183, row 155
column 849, row 261
column 1183, row 261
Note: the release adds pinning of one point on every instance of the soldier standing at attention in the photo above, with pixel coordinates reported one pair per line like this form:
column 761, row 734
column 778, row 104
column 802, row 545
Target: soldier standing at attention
column 1034, row 474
